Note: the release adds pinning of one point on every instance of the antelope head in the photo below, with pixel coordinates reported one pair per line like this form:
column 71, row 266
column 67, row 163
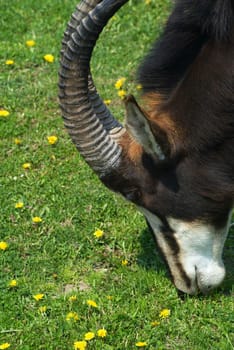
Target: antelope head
column 146, row 160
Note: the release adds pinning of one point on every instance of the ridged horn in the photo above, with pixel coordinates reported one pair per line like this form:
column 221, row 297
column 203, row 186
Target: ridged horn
column 100, row 108
column 82, row 9
column 91, row 126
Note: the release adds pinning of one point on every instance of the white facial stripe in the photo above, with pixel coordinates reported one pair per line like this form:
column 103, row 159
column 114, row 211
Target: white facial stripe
column 167, row 251
column 200, row 253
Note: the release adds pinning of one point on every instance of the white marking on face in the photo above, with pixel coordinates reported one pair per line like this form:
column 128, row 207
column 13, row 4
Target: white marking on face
column 196, row 260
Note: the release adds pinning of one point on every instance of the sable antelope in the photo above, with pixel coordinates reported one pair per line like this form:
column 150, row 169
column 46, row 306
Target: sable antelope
column 174, row 157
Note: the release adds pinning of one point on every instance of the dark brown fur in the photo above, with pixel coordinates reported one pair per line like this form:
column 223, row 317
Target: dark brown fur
column 193, row 121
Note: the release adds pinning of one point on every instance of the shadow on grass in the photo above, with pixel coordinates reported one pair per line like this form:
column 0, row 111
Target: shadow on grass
column 151, row 259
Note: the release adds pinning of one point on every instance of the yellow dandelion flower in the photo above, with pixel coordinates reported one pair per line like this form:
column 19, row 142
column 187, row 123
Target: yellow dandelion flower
column 4, row 113
column 52, row 139
column 26, row 166
column 141, row 344
column 19, row 205
column 17, row 141
column 102, row 333
column 3, row 245
column 36, row 219
column 42, row 309
column 92, row 303
column 107, row 102
column 9, row 62
column 98, row 233
column 89, row 336
column 30, row 43
column 4, row 346
column 80, row 345
column 49, row 58
column 38, row 297
column 72, row 316
column 155, row 323
column 72, row 298
column 119, row 83
column 165, row 313
column 13, row 284
column 124, row 262
column 122, row 93
column 139, row 87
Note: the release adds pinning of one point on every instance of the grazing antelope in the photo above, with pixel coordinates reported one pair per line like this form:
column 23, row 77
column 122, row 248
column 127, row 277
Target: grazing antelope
column 174, row 157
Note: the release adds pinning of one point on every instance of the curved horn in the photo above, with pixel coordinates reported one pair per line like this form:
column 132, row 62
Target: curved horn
column 90, row 126
column 100, row 108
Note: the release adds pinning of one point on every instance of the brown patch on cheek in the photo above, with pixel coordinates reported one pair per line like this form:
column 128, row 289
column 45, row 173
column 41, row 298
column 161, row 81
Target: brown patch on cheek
column 161, row 120
column 152, row 101
column 131, row 148
column 165, row 123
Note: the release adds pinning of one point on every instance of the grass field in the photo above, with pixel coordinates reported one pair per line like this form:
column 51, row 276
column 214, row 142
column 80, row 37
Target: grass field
column 51, row 268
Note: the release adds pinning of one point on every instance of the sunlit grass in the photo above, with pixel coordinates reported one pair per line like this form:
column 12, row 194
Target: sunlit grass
column 65, row 239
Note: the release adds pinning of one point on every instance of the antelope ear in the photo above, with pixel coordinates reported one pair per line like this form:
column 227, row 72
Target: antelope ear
column 139, row 128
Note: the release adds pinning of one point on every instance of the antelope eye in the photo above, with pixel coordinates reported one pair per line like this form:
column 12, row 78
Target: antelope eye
column 133, row 195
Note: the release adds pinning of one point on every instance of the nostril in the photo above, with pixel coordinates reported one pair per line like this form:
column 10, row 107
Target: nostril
column 196, row 277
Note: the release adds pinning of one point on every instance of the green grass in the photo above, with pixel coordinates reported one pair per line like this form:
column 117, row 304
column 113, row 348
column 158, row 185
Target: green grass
column 60, row 257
